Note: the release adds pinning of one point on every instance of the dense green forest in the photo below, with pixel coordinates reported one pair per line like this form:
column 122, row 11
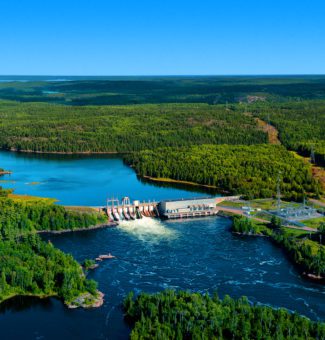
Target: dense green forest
column 311, row 258
column 301, row 125
column 248, row 170
column 308, row 254
column 185, row 315
column 29, row 265
column 144, row 90
column 18, row 218
column 45, row 127
column 196, row 129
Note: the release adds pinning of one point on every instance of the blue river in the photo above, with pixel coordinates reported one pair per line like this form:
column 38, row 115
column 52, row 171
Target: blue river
column 151, row 255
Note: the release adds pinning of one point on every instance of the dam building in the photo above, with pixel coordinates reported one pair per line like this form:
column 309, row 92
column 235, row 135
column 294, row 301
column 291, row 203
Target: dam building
column 184, row 208
column 179, row 208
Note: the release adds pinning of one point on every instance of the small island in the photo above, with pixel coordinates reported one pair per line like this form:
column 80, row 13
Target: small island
column 5, row 172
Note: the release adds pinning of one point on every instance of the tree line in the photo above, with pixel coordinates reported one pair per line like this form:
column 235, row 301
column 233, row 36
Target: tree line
column 140, row 90
column 251, row 171
column 57, row 128
column 18, row 218
column 29, row 265
column 186, row 315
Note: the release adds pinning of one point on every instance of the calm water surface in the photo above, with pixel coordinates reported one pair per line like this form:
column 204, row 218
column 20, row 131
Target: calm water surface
column 152, row 255
column 81, row 180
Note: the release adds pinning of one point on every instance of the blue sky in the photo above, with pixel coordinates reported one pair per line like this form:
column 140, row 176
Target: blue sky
column 161, row 37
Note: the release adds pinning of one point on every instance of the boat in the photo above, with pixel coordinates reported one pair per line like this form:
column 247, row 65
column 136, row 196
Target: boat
column 107, row 256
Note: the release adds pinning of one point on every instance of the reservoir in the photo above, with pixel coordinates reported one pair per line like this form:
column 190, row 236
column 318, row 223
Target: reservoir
column 151, row 255
column 83, row 180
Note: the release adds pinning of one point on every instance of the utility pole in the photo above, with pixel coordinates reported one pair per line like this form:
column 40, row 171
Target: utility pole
column 278, row 192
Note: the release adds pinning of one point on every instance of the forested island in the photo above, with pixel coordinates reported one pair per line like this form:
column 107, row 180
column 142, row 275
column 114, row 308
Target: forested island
column 4, row 172
column 185, row 315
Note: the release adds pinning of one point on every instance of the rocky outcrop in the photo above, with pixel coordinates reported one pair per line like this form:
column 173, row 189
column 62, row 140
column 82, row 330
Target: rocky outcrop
column 87, row 300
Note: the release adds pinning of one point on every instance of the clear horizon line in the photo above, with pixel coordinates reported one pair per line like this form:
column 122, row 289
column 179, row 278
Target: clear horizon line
column 164, row 75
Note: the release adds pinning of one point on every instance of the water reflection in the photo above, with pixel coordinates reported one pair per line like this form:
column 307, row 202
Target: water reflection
column 24, row 303
column 84, row 179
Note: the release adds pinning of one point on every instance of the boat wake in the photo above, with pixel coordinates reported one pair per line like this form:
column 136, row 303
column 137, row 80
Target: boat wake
column 147, row 229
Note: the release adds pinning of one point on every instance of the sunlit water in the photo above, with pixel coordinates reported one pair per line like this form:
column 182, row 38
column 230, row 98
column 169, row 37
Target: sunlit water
column 82, row 180
column 151, row 255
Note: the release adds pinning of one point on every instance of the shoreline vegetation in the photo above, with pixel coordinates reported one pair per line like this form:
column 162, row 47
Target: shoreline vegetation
column 306, row 253
column 85, row 300
column 65, row 152
column 177, row 181
column 249, row 170
column 93, row 227
column 187, row 315
column 34, row 267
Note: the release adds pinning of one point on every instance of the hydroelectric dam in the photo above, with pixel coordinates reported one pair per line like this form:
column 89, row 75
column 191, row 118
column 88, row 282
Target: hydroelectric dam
column 117, row 210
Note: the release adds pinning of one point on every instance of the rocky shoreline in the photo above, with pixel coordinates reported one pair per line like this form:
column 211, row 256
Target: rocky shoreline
column 314, row 277
column 87, row 300
column 249, row 234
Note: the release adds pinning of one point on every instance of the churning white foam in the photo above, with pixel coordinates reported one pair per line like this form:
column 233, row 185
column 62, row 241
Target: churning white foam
column 147, row 229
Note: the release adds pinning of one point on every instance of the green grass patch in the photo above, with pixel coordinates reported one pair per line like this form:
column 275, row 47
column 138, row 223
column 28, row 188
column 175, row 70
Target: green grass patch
column 31, row 199
column 314, row 222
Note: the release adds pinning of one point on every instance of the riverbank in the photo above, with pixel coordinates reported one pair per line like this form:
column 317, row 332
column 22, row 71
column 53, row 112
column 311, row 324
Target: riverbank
column 302, row 252
column 63, row 231
column 169, row 180
column 65, row 152
column 300, row 267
